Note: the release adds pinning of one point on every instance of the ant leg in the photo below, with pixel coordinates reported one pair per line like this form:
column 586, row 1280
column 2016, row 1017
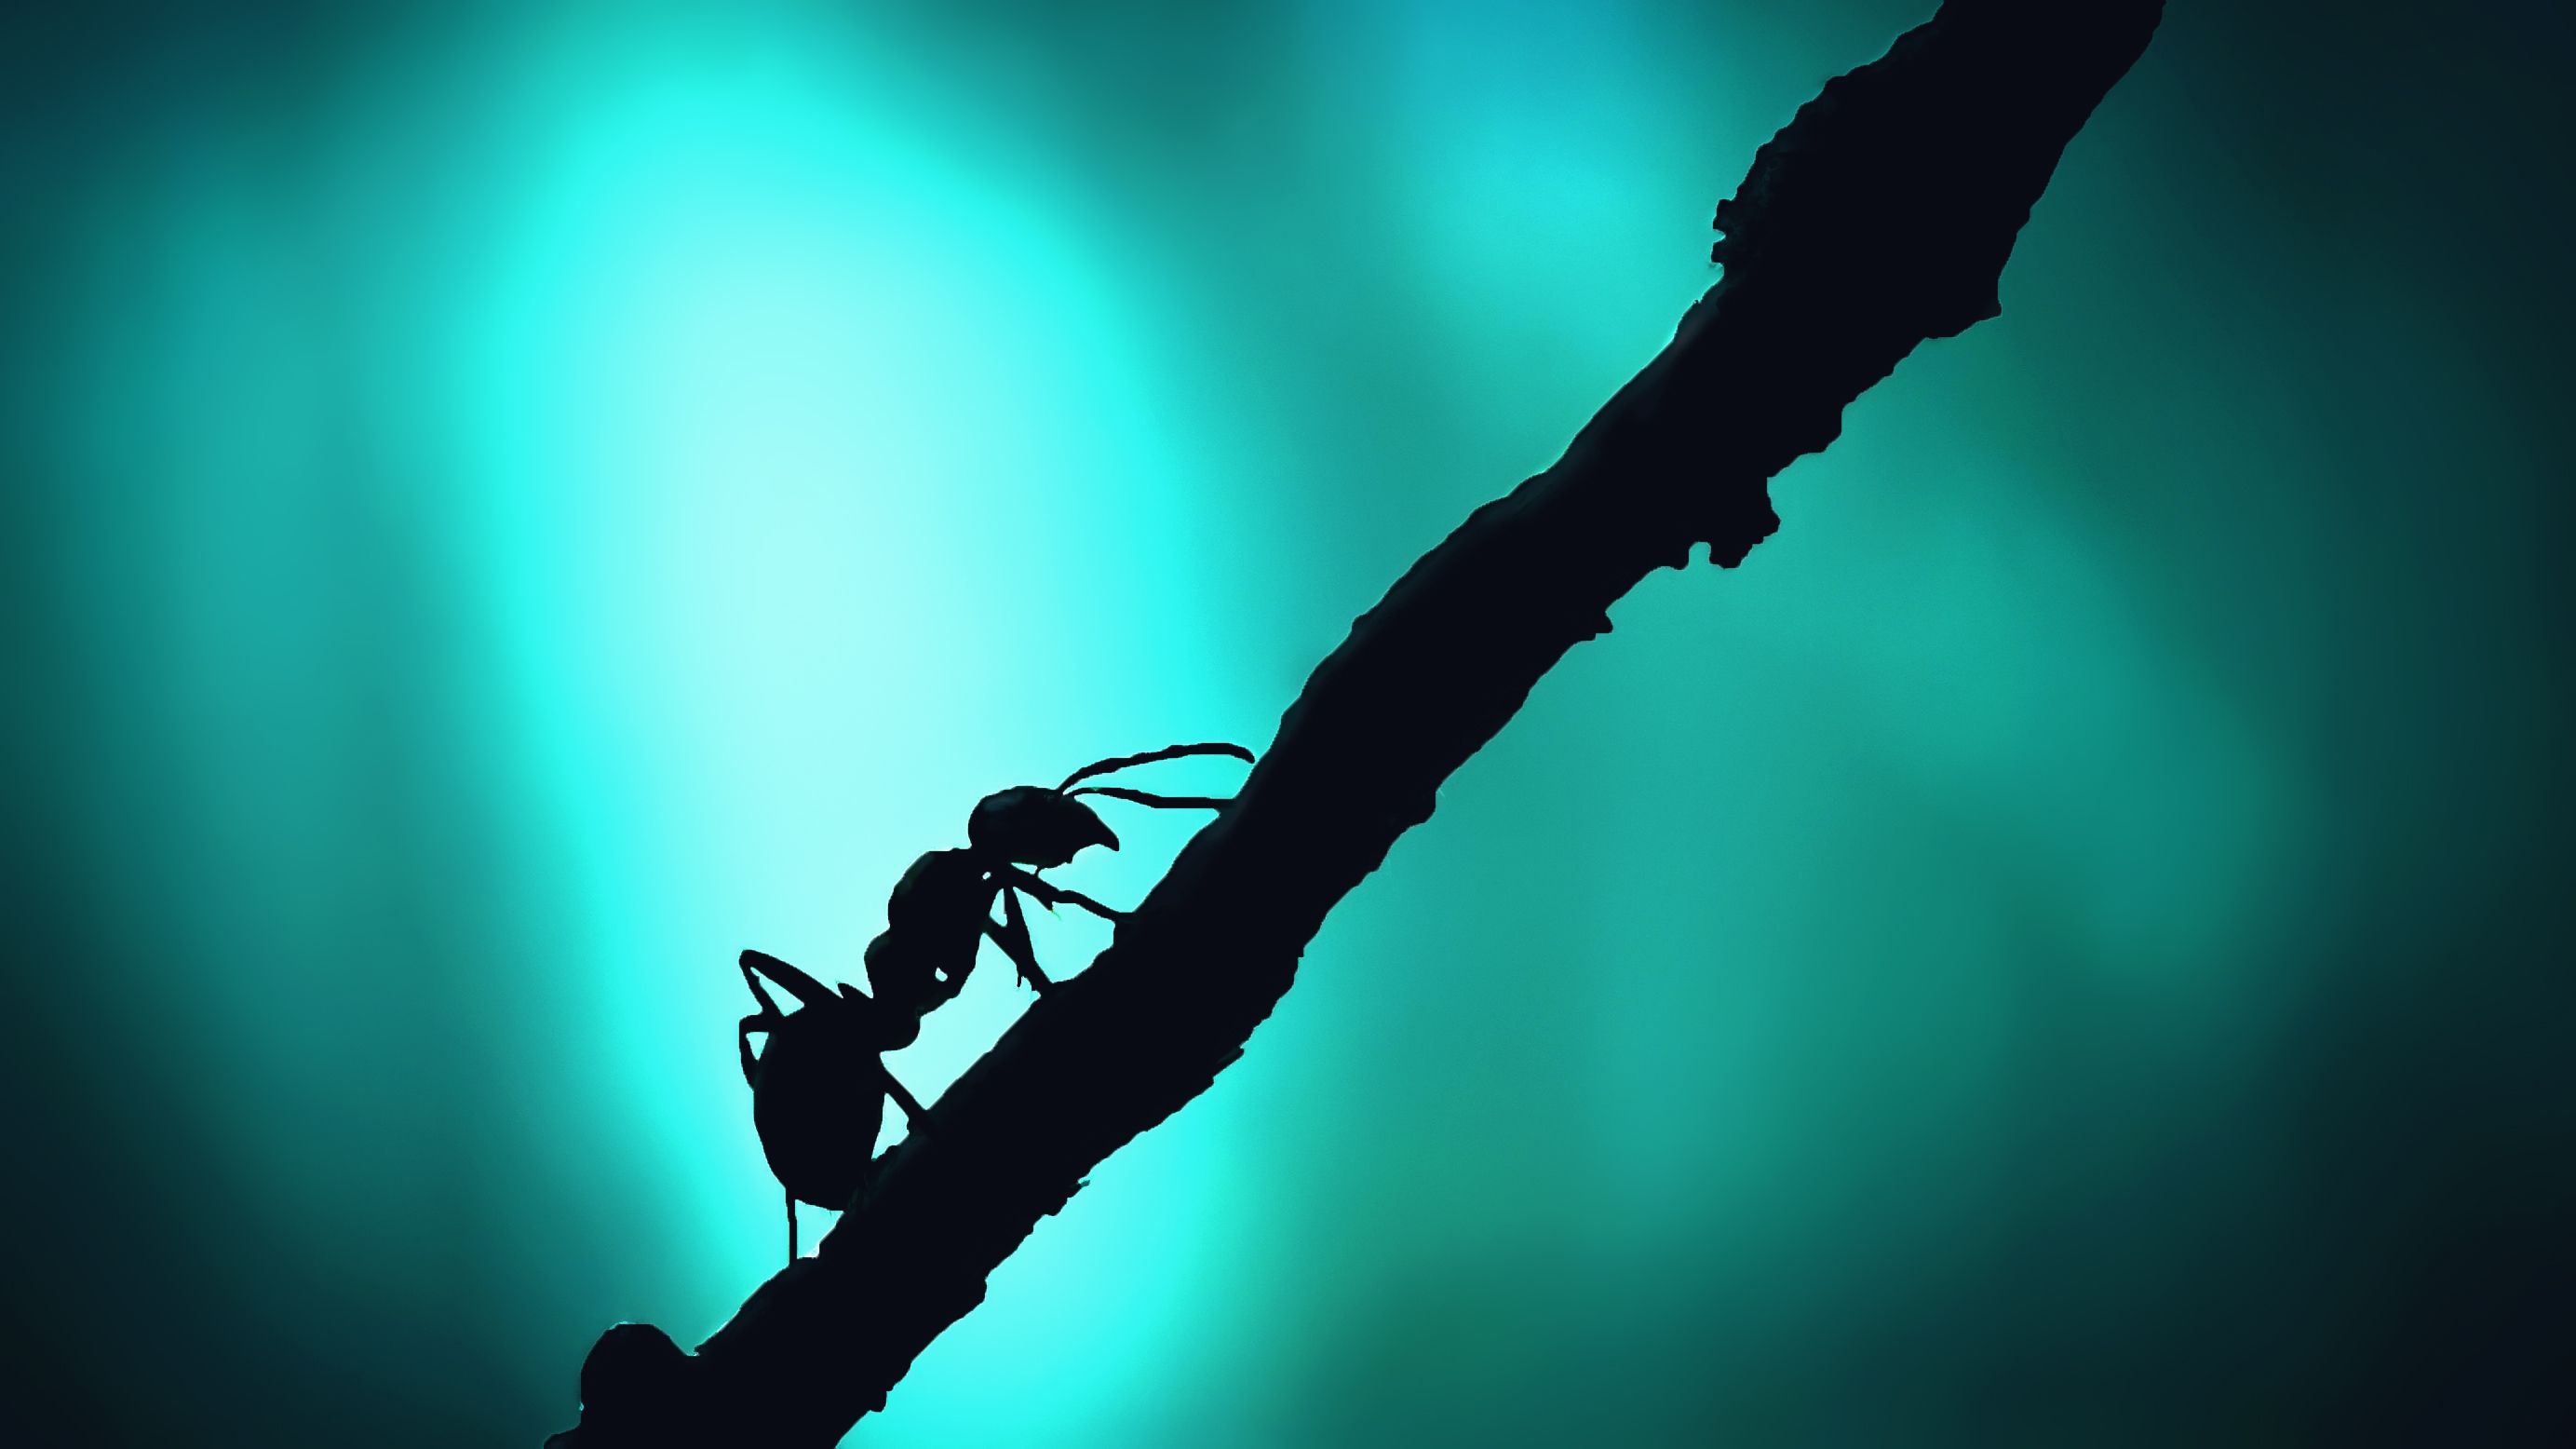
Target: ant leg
column 1052, row 894
column 804, row 988
column 911, row 1105
column 759, row 992
column 1013, row 937
column 763, row 1022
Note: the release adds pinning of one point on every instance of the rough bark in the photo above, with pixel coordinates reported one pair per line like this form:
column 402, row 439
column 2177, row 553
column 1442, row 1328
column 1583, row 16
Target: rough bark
column 1881, row 216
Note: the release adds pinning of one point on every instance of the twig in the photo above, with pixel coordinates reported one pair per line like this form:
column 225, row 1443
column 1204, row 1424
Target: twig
column 1880, row 217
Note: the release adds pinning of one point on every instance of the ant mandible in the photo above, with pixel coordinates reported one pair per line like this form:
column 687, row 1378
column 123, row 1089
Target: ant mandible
column 940, row 911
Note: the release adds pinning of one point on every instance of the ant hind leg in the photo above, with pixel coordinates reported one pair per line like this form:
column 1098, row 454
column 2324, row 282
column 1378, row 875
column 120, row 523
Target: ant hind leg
column 742, row 1041
column 804, row 988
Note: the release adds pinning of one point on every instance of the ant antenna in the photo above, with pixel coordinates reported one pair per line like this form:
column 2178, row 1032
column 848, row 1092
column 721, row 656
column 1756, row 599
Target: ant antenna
column 1170, row 752
column 1159, row 802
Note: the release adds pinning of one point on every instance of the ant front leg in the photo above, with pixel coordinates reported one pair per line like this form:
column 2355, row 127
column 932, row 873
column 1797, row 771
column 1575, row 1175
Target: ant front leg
column 1012, row 935
column 1054, row 895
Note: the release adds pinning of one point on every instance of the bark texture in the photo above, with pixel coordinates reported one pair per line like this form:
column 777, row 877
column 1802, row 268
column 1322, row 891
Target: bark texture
column 1881, row 216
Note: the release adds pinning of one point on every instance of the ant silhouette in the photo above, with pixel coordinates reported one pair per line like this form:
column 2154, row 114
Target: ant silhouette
column 940, row 911
column 818, row 1087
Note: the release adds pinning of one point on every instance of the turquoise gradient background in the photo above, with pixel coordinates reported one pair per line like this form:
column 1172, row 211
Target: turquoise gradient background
column 509, row 505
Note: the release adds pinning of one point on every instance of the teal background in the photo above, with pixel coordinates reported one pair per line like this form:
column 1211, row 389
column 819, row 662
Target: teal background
column 508, row 505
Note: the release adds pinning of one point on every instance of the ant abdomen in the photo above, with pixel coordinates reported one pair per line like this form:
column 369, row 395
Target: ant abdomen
column 818, row 1101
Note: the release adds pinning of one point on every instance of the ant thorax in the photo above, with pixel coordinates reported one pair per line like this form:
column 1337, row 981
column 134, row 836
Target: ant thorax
column 940, row 889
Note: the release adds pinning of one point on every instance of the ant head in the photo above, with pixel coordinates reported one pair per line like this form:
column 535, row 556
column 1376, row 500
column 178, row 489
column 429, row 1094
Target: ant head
column 1033, row 826
column 1037, row 827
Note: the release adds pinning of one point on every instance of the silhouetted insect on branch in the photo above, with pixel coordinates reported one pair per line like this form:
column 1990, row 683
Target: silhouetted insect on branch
column 818, row 1087
column 940, row 912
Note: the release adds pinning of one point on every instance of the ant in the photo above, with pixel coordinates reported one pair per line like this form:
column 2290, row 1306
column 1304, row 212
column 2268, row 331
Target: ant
column 939, row 913
column 818, row 1087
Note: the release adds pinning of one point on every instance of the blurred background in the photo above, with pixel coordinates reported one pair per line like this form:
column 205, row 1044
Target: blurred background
column 508, row 505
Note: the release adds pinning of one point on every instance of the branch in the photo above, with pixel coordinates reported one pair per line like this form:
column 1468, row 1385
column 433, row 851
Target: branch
column 1881, row 216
